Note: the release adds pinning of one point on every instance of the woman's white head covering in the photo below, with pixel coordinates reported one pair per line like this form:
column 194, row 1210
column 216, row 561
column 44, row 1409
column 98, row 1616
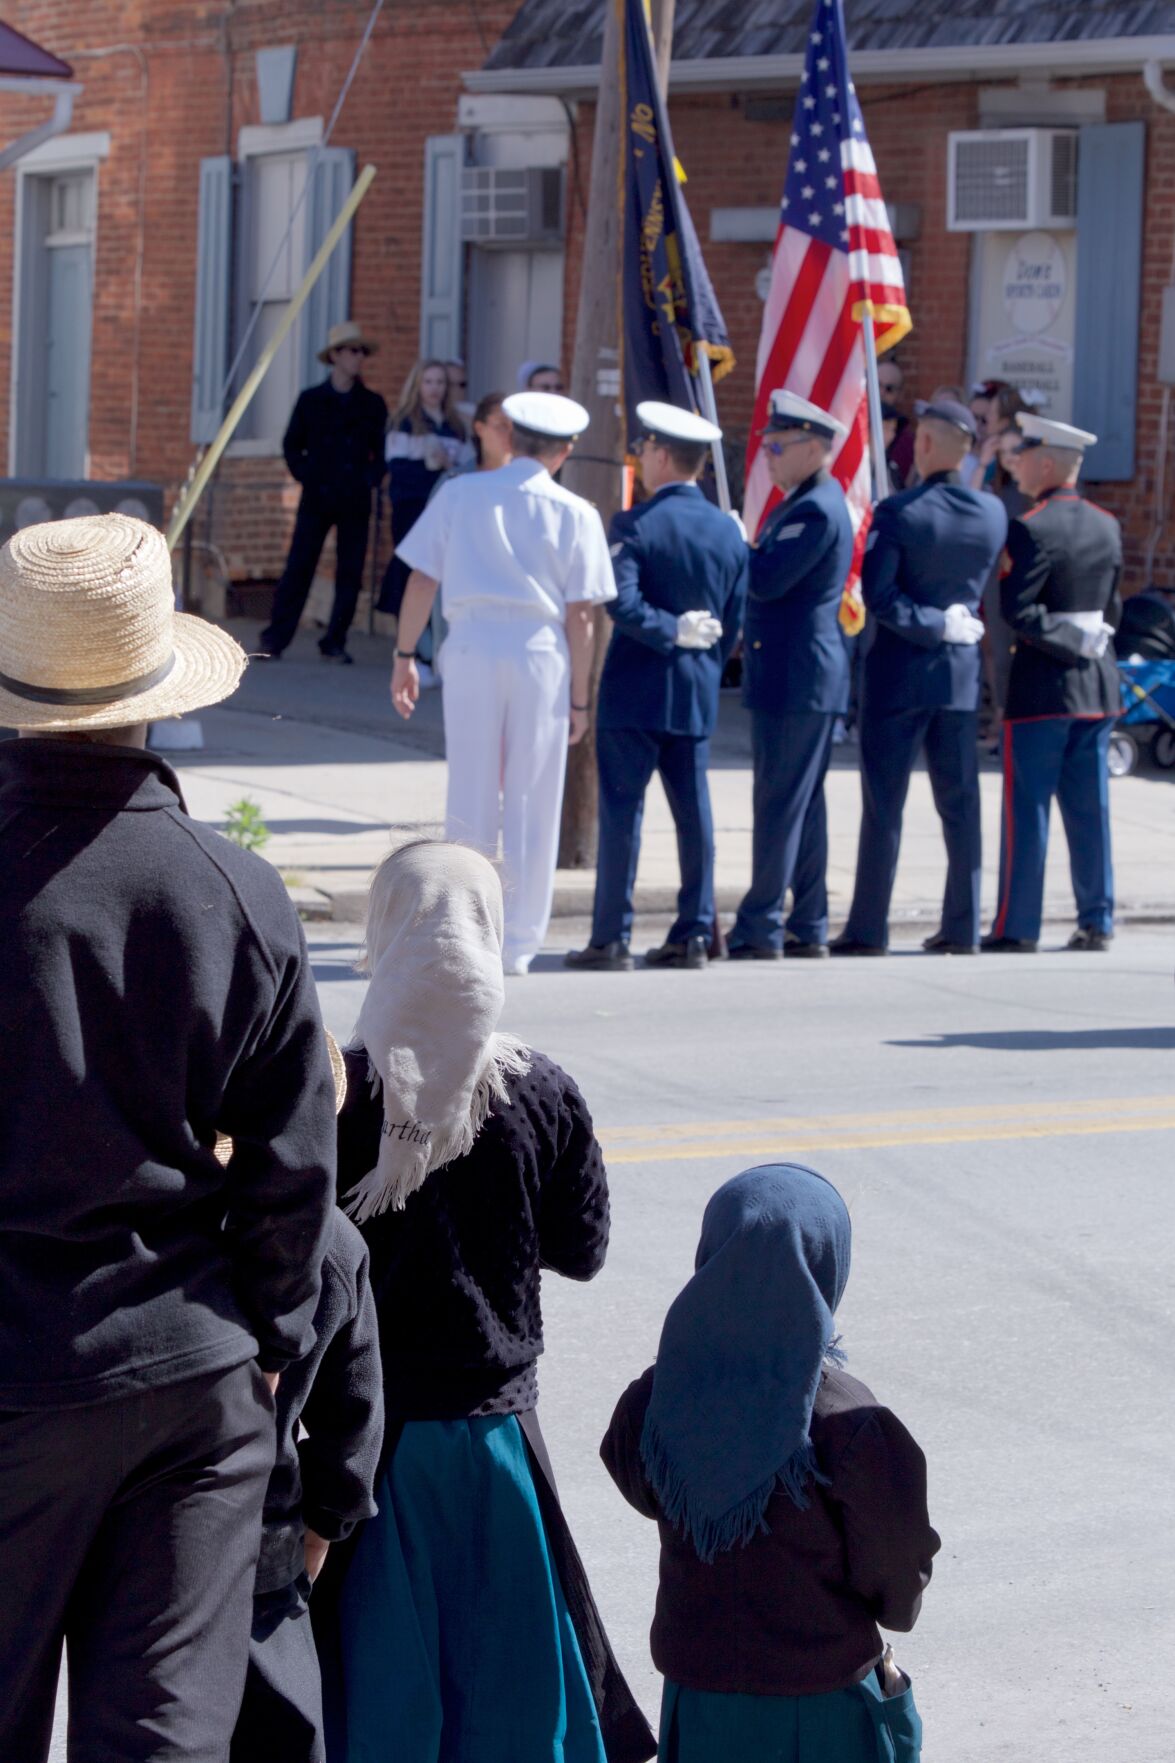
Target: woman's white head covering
column 429, row 1019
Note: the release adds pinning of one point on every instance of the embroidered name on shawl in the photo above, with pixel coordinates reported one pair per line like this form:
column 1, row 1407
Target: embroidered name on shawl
column 409, row 1132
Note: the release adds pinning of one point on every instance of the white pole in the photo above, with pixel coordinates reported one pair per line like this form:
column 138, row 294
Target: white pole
column 710, row 411
column 881, row 487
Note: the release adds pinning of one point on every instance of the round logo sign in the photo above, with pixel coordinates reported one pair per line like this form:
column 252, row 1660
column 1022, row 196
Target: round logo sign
column 1034, row 283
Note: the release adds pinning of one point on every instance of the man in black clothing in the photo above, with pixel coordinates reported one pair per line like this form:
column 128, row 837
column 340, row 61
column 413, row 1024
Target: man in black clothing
column 155, row 990
column 334, row 446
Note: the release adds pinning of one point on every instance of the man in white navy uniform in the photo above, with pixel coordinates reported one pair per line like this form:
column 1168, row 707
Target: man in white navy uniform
column 521, row 562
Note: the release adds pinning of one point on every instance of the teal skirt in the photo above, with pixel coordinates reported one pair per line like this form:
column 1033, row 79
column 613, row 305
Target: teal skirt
column 855, row 1725
column 456, row 1640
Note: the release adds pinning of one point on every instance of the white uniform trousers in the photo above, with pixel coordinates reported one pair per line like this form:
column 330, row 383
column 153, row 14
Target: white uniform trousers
column 506, row 684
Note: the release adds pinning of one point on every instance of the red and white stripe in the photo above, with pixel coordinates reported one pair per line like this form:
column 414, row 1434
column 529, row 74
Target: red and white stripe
column 811, row 344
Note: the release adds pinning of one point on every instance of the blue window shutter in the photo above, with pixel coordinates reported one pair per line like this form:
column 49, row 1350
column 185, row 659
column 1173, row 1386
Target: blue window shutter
column 442, row 252
column 214, row 245
column 331, row 179
column 1110, row 172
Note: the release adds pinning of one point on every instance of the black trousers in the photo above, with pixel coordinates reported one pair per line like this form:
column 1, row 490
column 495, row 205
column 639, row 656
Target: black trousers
column 130, row 1531
column 281, row 1714
column 314, row 521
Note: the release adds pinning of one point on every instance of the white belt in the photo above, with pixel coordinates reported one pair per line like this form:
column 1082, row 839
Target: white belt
column 1082, row 621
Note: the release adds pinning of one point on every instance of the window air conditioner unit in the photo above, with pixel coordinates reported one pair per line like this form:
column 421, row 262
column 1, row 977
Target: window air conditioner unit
column 1003, row 180
column 503, row 205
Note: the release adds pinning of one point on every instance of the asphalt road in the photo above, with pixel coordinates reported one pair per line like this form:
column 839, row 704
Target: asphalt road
column 1003, row 1130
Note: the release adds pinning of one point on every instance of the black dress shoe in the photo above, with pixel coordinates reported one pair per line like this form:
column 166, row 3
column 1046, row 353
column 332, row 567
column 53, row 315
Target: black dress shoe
column 993, row 945
column 752, row 952
column 845, row 945
column 795, row 949
column 695, row 952
column 339, row 655
column 600, row 958
column 1092, row 941
column 939, row 944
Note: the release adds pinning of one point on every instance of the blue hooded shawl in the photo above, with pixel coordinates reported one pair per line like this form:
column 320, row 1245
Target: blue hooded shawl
column 741, row 1355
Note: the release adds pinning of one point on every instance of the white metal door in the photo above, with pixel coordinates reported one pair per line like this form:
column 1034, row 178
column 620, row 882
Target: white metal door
column 515, row 315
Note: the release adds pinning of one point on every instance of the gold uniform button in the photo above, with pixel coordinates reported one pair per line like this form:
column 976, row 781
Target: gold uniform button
column 756, row 645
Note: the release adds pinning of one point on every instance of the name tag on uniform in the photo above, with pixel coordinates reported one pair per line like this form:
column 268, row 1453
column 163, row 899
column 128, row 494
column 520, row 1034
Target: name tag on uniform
column 791, row 532
column 615, row 550
column 871, row 540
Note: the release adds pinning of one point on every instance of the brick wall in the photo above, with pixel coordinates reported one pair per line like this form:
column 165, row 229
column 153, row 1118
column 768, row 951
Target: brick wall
column 174, row 83
column 732, row 161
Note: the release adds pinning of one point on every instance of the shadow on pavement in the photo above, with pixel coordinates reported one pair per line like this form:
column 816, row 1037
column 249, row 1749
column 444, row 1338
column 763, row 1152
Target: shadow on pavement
column 1043, row 1040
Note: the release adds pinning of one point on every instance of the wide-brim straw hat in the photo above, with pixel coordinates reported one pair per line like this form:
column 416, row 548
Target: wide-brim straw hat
column 89, row 634
column 339, row 335
column 222, row 1150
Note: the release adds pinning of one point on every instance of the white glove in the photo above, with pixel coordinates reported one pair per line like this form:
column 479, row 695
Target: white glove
column 1095, row 642
column 958, row 626
column 698, row 630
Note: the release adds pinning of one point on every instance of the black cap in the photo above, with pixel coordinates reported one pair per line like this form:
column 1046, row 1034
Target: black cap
column 946, row 410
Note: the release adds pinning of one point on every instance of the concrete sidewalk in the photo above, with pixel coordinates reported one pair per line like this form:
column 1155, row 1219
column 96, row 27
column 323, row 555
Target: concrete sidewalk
column 339, row 778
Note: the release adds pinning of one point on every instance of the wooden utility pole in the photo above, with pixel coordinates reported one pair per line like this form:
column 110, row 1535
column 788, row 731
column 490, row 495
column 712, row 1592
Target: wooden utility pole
column 595, row 379
column 595, row 382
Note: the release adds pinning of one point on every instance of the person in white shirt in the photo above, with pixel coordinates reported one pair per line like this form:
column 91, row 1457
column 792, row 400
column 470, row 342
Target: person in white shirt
column 521, row 562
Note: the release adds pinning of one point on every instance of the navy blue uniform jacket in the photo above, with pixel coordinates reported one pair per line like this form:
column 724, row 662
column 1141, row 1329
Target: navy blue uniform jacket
column 794, row 654
column 674, row 553
column 1065, row 555
column 929, row 548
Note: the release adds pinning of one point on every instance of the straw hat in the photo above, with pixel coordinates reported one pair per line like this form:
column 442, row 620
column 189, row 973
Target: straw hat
column 222, row 1150
column 89, row 634
column 341, row 334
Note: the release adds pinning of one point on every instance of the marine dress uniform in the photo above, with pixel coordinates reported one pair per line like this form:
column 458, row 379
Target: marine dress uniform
column 1060, row 596
column 930, row 553
column 795, row 680
column 673, row 557
column 512, row 550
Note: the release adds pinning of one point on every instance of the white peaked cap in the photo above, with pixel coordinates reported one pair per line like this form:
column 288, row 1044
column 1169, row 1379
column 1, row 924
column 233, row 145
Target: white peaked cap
column 1045, row 433
column 676, row 424
column 787, row 410
column 546, row 413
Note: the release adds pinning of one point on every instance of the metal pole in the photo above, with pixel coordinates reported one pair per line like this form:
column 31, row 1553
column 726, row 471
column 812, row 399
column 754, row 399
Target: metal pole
column 881, row 487
column 186, row 507
column 710, row 411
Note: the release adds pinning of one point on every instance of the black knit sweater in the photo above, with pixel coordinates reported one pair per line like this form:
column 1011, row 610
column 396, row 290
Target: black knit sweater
column 456, row 1274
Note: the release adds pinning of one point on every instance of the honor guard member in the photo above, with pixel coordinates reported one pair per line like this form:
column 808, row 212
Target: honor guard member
column 681, row 569
column 1060, row 596
column 522, row 562
column 795, row 677
column 930, row 553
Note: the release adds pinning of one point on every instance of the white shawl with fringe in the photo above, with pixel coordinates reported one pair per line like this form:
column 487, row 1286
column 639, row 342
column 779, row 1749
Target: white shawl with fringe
column 429, row 1020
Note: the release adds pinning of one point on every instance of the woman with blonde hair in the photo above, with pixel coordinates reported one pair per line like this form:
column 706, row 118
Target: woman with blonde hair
column 426, row 438
column 465, row 1625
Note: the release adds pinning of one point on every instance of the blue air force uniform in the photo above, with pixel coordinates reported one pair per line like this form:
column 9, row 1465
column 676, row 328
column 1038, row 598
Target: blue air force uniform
column 929, row 548
column 1062, row 570
column 658, row 704
column 795, row 675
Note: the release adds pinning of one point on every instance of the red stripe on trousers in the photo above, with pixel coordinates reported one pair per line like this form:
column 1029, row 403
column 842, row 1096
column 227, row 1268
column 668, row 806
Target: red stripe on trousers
column 1009, row 835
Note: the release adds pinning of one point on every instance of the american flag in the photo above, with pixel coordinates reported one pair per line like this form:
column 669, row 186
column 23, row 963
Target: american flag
column 835, row 263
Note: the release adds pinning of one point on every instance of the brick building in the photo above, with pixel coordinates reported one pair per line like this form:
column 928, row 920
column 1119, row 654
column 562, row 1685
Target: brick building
column 141, row 237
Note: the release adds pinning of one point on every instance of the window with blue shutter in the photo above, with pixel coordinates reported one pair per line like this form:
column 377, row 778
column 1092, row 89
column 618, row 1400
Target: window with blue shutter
column 214, row 246
column 442, row 254
column 1110, row 176
column 330, row 299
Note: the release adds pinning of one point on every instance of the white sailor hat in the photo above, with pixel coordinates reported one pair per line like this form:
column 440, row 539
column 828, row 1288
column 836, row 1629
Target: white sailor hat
column 672, row 423
column 1041, row 431
column 546, row 413
column 787, row 410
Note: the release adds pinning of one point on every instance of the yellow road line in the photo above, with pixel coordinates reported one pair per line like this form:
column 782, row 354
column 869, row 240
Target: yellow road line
column 792, row 1137
column 1010, row 1111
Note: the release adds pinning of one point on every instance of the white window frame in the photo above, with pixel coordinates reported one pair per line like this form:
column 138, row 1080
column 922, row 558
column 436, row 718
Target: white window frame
column 63, row 153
